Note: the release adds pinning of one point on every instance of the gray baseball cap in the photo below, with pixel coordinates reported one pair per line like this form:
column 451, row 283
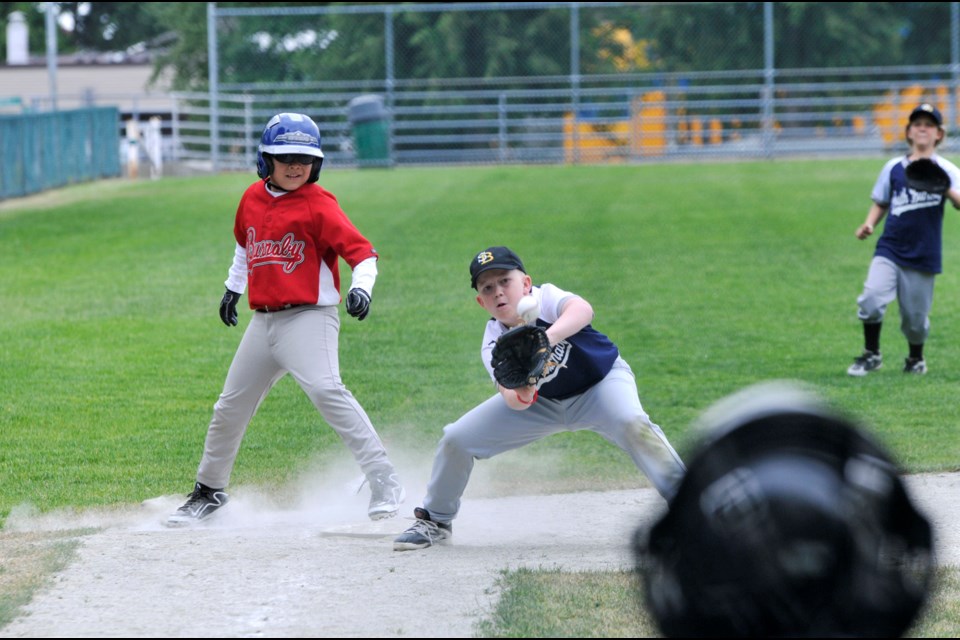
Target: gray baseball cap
column 493, row 258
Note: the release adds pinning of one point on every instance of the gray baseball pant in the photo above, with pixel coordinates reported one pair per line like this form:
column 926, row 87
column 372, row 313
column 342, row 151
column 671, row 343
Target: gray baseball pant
column 914, row 293
column 610, row 408
column 303, row 342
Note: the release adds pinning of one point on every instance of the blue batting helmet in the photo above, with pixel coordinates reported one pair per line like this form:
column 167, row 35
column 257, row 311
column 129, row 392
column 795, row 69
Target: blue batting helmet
column 289, row 133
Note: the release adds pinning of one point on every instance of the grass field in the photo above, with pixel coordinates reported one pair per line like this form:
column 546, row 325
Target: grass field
column 708, row 277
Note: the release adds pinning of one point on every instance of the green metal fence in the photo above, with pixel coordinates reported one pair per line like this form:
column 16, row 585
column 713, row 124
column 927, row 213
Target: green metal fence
column 42, row 151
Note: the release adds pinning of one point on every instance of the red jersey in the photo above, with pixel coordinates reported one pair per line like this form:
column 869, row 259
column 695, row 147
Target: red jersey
column 293, row 243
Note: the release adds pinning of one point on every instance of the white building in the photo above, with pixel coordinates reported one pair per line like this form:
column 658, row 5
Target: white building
column 121, row 79
column 28, row 84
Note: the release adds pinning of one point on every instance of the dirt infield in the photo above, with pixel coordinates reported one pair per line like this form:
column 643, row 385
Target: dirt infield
column 320, row 569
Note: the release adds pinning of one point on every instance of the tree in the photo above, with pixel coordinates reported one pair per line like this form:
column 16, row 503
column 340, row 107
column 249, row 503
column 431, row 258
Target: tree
column 635, row 37
column 841, row 34
column 483, row 44
column 187, row 56
column 109, row 26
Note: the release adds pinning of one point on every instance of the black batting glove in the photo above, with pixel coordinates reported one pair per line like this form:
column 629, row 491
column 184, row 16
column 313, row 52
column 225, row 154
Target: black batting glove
column 358, row 303
column 228, row 308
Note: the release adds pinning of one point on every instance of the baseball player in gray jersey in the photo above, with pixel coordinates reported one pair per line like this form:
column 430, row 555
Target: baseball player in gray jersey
column 588, row 385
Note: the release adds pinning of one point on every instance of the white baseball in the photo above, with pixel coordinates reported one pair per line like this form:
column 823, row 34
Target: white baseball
column 528, row 309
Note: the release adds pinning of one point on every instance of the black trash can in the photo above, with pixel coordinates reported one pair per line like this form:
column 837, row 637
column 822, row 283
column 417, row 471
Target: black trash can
column 371, row 130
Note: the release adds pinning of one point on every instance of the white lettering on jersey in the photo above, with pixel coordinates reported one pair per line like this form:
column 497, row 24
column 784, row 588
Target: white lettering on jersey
column 558, row 360
column 910, row 199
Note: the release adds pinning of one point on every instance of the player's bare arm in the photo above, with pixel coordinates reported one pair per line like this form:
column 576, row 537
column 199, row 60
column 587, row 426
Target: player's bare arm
column 874, row 216
column 518, row 399
column 954, row 196
column 575, row 315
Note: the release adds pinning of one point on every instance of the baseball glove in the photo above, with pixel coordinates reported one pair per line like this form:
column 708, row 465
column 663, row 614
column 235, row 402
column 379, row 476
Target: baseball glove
column 520, row 356
column 924, row 174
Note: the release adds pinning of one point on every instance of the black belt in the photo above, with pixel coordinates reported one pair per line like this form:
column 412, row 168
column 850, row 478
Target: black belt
column 273, row 309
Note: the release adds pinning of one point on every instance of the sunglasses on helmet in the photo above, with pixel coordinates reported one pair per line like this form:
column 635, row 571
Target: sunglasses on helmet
column 294, row 158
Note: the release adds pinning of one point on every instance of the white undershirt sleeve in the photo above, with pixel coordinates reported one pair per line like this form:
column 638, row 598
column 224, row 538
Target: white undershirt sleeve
column 365, row 275
column 237, row 276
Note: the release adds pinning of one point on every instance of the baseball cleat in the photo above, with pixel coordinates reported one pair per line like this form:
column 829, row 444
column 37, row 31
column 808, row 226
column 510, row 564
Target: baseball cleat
column 864, row 364
column 915, row 365
column 424, row 533
column 200, row 504
column 386, row 494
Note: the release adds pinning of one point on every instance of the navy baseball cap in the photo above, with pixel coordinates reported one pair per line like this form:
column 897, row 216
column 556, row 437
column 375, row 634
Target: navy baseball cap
column 493, row 258
column 927, row 109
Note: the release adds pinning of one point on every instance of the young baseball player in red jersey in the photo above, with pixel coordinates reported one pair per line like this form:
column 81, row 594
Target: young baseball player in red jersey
column 589, row 386
column 909, row 252
column 290, row 235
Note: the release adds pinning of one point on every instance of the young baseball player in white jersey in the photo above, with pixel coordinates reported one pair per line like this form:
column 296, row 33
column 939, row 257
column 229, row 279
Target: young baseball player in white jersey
column 588, row 386
column 909, row 252
column 290, row 235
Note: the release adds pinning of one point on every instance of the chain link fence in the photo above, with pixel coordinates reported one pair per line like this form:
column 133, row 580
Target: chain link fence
column 574, row 82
